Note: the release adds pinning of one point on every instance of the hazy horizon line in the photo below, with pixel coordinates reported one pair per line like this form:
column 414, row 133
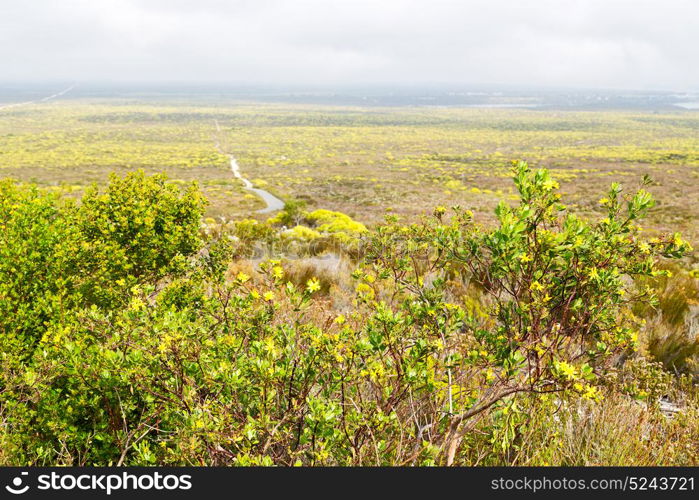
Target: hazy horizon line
column 384, row 86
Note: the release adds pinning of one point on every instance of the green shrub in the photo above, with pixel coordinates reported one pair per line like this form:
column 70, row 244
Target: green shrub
column 189, row 365
column 557, row 287
column 56, row 257
column 301, row 233
column 328, row 221
column 37, row 268
column 138, row 231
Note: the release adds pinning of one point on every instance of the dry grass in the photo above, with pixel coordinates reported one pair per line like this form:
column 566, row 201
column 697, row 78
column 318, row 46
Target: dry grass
column 620, row 432
column 616, row 432
column 671, row 332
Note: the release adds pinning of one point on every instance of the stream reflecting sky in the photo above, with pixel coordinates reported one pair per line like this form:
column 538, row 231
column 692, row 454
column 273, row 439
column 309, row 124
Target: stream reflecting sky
column 603, row 44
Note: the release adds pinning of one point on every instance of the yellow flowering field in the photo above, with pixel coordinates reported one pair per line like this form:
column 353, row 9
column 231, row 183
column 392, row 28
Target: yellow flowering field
column 359, row 161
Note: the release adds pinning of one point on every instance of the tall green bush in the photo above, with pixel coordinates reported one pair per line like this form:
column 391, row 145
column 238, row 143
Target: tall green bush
column 556, row 285
column 183, row 364
column 57, row 256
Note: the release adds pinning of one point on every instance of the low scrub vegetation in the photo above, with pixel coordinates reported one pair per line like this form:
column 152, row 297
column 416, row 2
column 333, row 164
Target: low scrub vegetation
column 133, row 335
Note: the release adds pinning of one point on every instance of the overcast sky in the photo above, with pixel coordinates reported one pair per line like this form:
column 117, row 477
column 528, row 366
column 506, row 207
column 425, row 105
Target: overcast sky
column 565, row 43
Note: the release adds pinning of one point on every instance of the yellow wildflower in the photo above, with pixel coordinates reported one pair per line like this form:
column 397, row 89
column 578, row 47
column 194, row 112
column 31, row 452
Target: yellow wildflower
column 313, row 285
column 592, row 393
column 566, row 370
column 550, row 184
column 536, row 286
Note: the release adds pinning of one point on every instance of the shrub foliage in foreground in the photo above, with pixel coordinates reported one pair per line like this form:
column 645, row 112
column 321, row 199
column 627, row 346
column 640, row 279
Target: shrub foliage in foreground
column 125, row 342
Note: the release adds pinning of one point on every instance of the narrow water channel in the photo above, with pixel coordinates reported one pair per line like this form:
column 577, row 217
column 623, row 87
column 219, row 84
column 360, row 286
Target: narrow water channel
column 273, row 203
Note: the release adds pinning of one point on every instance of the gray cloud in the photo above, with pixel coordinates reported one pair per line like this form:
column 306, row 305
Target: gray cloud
column 593, row 43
